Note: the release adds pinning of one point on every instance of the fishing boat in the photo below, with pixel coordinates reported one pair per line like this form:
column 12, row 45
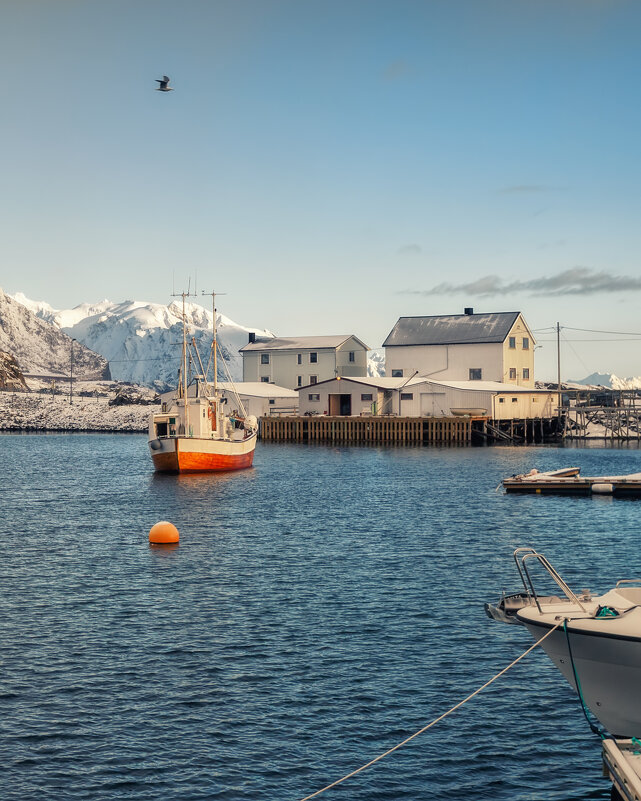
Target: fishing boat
column 569, row 481
column 194, row 431
column 596, row 644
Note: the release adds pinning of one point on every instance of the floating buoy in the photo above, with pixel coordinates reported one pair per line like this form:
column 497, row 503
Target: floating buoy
column 164, row 533
column 603, row 489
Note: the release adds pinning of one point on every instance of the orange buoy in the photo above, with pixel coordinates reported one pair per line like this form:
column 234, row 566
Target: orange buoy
column 163, row 533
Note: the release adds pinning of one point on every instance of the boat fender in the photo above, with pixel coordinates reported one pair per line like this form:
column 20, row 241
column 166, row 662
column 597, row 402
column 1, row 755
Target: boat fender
column 155, row 444
column 603, row 489
column 251, row 422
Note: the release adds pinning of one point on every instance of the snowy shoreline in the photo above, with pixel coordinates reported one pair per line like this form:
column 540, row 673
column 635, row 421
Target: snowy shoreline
column 31, row 412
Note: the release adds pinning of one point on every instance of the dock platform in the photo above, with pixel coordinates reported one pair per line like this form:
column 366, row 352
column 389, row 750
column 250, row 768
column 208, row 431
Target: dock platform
column 570, row 482
column 622, row 765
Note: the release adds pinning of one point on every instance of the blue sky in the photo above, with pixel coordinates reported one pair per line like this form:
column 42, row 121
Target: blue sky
column 331, row 166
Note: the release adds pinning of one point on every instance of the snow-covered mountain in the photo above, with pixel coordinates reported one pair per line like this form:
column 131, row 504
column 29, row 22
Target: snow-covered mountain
column 40, row 347
column 376, row 363
column 142, row 341
column 611, row 381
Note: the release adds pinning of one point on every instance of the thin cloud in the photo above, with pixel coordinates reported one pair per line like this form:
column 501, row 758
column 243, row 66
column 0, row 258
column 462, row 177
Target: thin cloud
column 526, row 189
column 410, row 250
column 574, row 281
column 397, row 70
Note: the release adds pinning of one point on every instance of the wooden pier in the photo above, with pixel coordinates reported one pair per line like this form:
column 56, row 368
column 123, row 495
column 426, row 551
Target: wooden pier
column 368, row 430
column 622, row 765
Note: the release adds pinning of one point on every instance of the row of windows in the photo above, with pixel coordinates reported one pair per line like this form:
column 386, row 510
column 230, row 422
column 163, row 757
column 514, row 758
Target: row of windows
column 313, row 357
column 476, row 374
column 512, row 343
column 366, row 396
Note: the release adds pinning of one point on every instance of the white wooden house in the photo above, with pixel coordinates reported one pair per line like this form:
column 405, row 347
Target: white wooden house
column 495, row 347
column 297, row 361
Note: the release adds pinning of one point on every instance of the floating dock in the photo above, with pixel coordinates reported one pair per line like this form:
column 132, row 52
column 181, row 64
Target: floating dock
column 622, row 765
column 368, row 430
column 569, row 481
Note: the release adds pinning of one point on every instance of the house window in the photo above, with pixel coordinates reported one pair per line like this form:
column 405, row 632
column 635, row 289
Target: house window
column 526, row 372
column 264, row 358
column 535, row 399
column 367, row 396
column 397, row 374
column 512, row 372
column 264, row 379
column 299, row 358
column 514, row 400
column 475, row 373
column 407, row 396
column 526, row 343
column 313, row 379
column 501, row 400
column 352, row 357
column 299, row 380
column 512, row 342
column 313, row 397
column 272, row 401
column 313, row 358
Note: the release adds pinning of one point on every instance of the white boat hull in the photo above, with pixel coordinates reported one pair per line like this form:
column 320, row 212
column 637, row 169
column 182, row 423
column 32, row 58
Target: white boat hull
column 607, row 661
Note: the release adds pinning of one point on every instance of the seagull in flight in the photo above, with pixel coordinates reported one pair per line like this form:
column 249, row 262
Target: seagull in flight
column 163, row 84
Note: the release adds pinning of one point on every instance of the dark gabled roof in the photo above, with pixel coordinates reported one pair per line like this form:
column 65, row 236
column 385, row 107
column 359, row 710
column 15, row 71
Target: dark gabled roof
column 452, row 329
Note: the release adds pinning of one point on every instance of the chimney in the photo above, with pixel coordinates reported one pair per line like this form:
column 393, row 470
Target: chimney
column 468, row 310
column 252, row 337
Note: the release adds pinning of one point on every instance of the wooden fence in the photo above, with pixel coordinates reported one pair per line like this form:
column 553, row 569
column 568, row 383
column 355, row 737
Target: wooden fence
column 373, row 430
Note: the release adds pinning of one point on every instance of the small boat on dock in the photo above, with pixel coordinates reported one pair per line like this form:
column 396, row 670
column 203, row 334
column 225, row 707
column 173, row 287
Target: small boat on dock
column 570, row 481
column 595, row 642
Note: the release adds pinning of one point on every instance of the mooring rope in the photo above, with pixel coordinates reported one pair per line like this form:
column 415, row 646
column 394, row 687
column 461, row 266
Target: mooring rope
column 435, row 721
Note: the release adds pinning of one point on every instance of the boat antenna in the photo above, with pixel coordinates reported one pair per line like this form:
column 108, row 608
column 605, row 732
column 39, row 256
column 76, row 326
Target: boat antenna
column 184, row 295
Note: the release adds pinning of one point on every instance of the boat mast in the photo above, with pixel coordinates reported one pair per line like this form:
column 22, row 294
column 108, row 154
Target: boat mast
column 214, row 345
column 184, row 368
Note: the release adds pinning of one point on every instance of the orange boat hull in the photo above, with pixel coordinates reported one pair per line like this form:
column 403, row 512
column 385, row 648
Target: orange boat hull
column 189, row 459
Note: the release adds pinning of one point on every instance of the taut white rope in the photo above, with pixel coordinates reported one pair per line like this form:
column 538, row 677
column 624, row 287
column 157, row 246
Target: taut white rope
column 435, row 721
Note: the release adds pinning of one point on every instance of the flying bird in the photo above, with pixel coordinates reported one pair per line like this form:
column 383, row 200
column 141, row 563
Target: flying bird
column 164, row 87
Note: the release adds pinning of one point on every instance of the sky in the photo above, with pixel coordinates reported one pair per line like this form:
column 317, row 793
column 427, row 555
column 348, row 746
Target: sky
column 329, row 166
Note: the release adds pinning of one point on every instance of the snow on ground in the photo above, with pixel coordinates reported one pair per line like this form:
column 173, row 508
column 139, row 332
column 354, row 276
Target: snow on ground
column 42, row 411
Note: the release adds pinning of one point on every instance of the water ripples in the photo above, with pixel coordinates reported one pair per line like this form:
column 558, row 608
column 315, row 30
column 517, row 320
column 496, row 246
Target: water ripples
column 320, row 608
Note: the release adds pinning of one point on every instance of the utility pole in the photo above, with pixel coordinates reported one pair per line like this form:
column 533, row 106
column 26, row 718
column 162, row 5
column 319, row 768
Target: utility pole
column 71, row 375
column 558, row 367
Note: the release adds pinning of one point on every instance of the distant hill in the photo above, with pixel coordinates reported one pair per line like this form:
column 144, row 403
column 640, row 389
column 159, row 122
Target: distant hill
column 40, row 347
column 610, row 381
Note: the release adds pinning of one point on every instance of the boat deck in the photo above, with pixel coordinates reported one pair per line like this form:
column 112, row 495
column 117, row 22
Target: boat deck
column 622, row 764
column 556, row 482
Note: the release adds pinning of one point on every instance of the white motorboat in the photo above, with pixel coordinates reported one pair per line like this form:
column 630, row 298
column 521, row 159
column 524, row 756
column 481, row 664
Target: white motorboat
column 597, row 645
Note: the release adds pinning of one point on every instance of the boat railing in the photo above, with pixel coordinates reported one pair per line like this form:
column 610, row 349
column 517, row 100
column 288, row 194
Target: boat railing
column 522, row 555
column 628, row 581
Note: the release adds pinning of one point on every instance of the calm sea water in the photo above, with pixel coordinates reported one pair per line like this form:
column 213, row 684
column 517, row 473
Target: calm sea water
column 320, row 608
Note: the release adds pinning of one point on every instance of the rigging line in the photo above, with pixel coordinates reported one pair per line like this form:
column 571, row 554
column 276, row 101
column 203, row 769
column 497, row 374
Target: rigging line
column 436, row 720
column 594, row 339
